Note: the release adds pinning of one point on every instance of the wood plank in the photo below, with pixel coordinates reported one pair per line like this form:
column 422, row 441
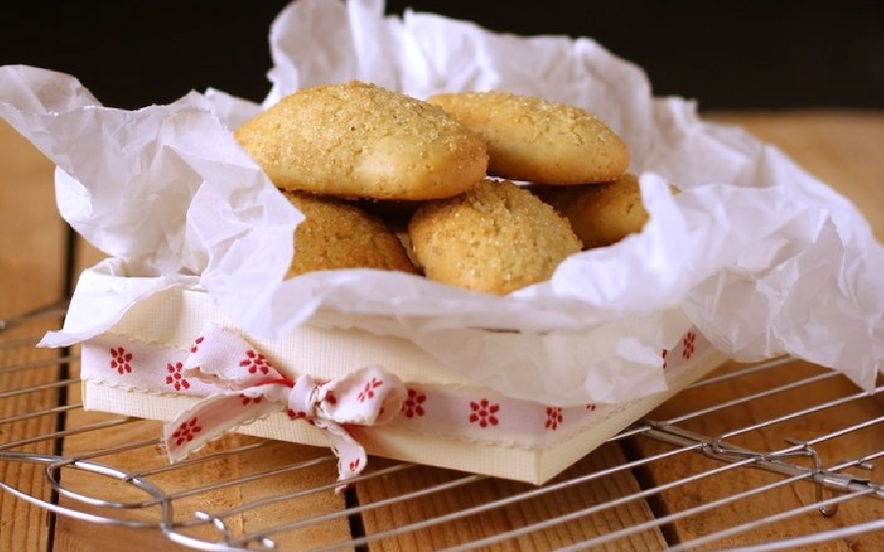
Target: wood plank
column 32, row 236
column 32, row 242
column 843, row 149
column 767, row 439
column 520, row 513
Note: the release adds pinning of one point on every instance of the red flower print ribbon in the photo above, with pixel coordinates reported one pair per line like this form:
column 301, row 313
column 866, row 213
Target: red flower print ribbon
column 251, row 388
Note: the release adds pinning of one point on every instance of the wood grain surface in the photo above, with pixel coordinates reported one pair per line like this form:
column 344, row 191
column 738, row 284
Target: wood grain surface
column 513, row 512
column 842, row 148
column 32, row 272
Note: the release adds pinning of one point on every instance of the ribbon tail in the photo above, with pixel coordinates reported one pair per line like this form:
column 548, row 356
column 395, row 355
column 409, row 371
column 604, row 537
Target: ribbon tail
column 222, row 356
column 351, row 455
column 209, row 419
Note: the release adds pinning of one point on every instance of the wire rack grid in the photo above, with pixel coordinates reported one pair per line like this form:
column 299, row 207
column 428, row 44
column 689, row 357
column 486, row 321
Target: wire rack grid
column 688, row 477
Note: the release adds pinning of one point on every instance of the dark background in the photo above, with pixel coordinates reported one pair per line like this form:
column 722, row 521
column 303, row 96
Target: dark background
column 726, row 55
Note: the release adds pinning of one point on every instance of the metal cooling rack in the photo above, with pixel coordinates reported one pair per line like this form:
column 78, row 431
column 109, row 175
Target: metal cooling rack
column 110, row 470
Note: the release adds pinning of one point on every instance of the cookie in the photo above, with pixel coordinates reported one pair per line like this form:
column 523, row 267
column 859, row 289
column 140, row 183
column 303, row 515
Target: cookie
column 359, row 140
column 337, row 235
column 537, row 140
column 496, row 238
column 605, row 214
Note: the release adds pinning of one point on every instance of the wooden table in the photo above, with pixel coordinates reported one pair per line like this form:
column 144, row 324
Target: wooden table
column 842, row 148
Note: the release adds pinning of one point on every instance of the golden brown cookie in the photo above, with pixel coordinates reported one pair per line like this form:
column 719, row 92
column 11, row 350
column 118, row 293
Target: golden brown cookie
column 337, row 235
column 361, row 140
column 607, row 213
column 496, row 238
column 537, row 140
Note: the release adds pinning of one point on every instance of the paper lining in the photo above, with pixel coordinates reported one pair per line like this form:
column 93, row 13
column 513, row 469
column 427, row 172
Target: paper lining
column 763, row 258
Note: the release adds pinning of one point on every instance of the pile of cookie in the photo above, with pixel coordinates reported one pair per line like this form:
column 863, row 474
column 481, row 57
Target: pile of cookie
column 488, row 191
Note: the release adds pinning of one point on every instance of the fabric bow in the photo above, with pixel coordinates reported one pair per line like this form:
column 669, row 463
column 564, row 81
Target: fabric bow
column 250, row 388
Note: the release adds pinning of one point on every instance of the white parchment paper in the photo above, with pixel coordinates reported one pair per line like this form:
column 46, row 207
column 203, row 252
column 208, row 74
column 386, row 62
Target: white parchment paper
column 763, row 258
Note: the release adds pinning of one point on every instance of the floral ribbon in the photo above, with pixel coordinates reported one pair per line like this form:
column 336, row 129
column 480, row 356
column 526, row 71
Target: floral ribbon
column 251, row 388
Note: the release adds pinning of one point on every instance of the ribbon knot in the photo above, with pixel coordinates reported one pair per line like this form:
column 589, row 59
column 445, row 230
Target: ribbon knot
column 304, row 397
column 249, row 388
